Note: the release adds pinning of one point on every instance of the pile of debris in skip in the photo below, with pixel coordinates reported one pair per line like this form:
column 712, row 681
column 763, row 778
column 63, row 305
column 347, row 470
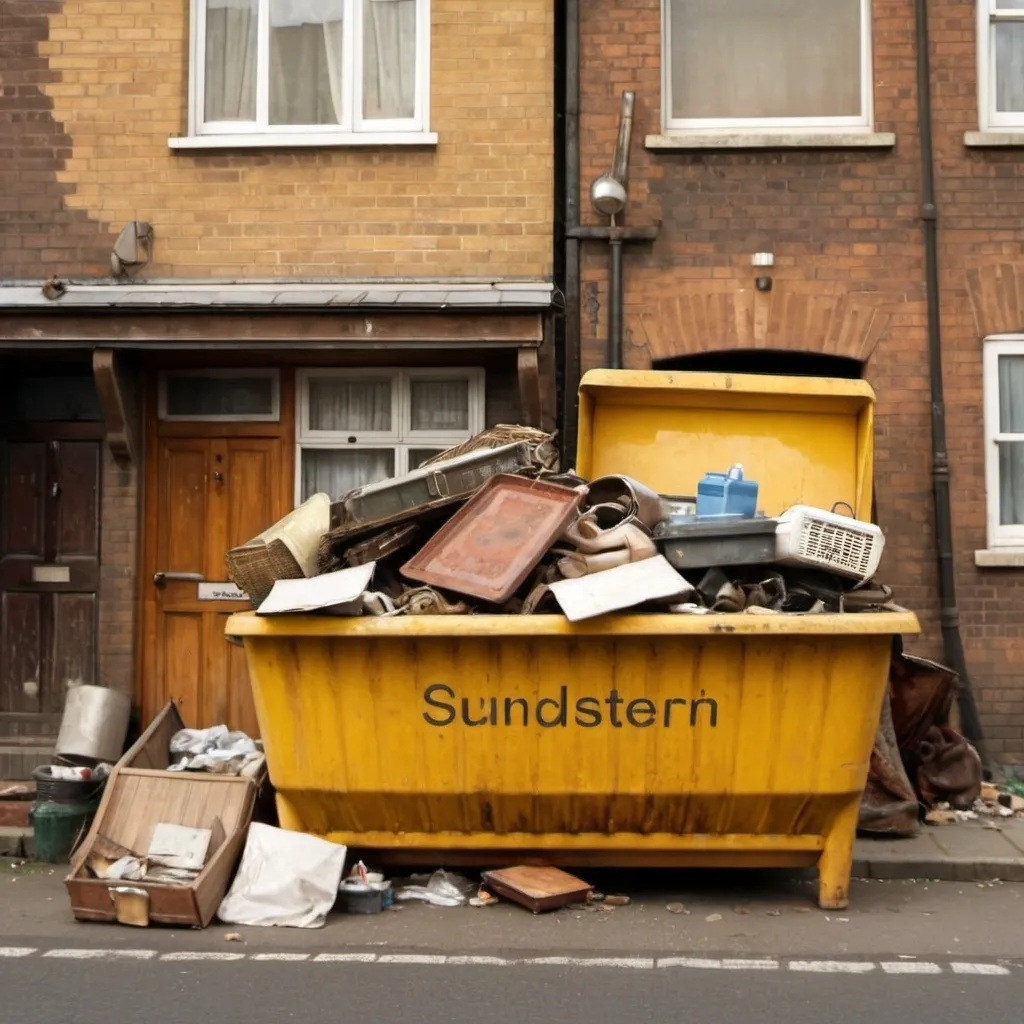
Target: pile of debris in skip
column 494, row 527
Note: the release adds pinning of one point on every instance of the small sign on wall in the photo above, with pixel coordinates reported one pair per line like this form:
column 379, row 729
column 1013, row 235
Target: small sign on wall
column 226, row 591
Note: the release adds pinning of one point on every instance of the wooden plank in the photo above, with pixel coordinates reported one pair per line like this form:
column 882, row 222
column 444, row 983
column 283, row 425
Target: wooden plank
column 115, row 400
column 361, row 330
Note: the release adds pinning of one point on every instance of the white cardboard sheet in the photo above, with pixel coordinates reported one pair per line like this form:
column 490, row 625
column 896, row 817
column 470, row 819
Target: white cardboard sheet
column 618, row 588
column 339, row 592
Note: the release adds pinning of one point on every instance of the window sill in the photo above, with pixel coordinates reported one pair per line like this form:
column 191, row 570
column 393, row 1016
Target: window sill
column 771, row 140
column 989, row 139
column 1000, row 558
column 288, row 140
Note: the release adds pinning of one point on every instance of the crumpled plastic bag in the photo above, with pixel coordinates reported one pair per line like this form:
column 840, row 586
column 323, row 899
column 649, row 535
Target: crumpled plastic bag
column 444, row 889
column 288, row 879
column 212, row 750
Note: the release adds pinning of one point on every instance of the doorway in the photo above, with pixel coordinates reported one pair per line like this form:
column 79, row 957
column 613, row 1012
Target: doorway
column 50, row 494
column 218, row 473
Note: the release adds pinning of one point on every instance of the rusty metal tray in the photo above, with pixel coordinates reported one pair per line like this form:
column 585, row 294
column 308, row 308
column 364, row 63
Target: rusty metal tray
column 490, row 546
column 423, row 490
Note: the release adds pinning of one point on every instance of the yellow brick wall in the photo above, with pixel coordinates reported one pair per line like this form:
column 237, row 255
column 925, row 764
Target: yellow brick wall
column 477, row 204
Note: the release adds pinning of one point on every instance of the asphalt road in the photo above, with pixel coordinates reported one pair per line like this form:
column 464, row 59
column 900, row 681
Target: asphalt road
column 32, row 992
column 721, row 947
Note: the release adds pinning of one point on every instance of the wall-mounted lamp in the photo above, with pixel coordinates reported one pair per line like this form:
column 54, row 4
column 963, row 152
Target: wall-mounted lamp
column 763, row 282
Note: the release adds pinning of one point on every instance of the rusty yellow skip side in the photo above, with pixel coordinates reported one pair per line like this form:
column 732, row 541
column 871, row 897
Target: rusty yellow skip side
column 631, row 740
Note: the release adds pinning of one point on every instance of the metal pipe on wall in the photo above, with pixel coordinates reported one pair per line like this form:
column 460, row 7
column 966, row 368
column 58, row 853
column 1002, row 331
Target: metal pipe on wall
column 949, row 614
column 569, row 141
column 613, row 355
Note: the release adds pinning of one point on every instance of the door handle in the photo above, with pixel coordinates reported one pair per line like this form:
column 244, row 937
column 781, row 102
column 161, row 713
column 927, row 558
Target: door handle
column 177, row 577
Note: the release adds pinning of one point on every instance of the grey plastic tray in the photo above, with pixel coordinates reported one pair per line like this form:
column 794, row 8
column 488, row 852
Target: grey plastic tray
column 704, row 543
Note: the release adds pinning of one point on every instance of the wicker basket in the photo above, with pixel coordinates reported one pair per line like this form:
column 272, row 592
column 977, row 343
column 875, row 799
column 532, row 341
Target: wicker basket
column 287, row 551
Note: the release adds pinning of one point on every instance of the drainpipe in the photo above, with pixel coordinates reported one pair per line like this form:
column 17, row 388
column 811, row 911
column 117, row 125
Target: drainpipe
column 568, row 86
column 613, row 356
column 949, row 616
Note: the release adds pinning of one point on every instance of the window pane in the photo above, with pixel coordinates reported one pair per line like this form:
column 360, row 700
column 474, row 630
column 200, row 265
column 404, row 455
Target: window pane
column 336, row 404
column 1010, row 66
column 1011, row 394
column 765, row 58
column 439, row 404
column 336, row 472
column 389, row 58
column 196, row 395
column 417, row 456
column 229, row 86
column 306, row 79
column 1011, row 483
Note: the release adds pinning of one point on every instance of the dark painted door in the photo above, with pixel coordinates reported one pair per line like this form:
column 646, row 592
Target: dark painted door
column 49, row 568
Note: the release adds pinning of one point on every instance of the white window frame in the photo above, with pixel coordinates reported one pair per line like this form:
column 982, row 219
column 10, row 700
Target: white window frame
column 401, row 438
column 354, row 129
column 862, row 124
column 989, row 16
column 273, row 416
column 999, row 535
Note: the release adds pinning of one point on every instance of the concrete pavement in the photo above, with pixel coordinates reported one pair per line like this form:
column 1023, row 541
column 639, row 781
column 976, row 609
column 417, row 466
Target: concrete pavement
column 971, row 851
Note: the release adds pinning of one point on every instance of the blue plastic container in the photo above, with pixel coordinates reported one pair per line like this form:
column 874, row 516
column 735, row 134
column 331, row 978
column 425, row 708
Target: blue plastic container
column 727, row 494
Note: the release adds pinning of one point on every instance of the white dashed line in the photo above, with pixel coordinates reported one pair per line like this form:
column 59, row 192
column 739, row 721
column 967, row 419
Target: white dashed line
column 989, row 969
column 911, row 967
column 345, row 958
column 707, row 964
column 410, row 958
column 832, row 966
column 101, row 954
column 183, row 956
column 904, row 966
column 480, row 961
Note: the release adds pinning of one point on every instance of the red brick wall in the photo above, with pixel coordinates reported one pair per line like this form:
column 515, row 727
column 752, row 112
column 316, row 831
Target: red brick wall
column 849, row 280
column 39, row 235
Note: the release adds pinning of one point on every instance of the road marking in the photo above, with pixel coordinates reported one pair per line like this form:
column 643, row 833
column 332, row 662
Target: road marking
column 180, row 956
column 707, row 964
column 345, row 958
column 479, row 961
column 910, row 967
column 691, row 962
column 101, row 954
column 989, row 969
column 410, row 958
column 893, row 967
column 832, row 966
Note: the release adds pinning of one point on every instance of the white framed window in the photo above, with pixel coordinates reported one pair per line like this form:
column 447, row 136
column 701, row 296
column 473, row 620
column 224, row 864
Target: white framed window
column 309, row 72
column 766, row 65
column 1004, row 440
column 357, row 427
column 226, row 396
column 1001, row 64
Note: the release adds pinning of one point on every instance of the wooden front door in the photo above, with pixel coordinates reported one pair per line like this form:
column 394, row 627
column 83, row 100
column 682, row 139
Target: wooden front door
column 205, row 494
column 49, row 571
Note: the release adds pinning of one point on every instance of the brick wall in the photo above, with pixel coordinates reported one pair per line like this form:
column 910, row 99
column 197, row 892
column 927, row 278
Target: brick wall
column 119, row 558
column 480, row 203
column 849, row 280
column 39, row 234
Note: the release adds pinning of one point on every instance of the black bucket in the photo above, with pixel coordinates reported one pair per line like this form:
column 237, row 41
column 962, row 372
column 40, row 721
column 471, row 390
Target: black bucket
column 64, row 791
